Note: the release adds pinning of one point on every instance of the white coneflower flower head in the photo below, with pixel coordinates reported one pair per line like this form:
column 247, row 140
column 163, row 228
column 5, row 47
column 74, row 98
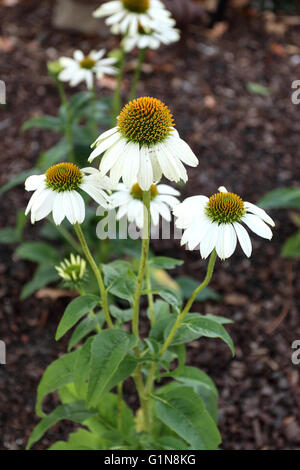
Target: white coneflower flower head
column 216, row 223
column 150, row 38
column 125, row 16
column 84, row 67
column 57, row 191
column 130, row 203
column 73, row 270
column 143, row 146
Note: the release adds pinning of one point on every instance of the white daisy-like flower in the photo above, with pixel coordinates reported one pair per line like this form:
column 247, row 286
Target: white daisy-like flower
column 143, row 146
column 130, row 203
column 84, row 67
column 216, row 223
column 151, row 39
column 56, row 191
column 126, row 16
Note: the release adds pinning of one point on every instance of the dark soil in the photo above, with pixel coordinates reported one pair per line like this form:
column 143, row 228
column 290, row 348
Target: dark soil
column 247, row 142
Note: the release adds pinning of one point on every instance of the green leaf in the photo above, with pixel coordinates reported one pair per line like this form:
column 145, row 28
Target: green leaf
column 19, row 179
column 123, row 288
column 202, row 385
column 121, row 315
column 169, row 295
column 43, row 276
column 163, row 262
column 194, row 326
column 124, row 370
column 54, row 155
column 171, row 443
column 258, row 89
column 188, row 284
column 81, row 366
column 51, row 123
column 219, row 319
column 182, row 410
column 291, row 248
column 108, row 349
column 80, row 440
column 73, row 411
column 115, row 270
column 163, row 318
column 39, row 252
column 282, row 198
column 58, row 374
column 86, row 326
column 76, row 309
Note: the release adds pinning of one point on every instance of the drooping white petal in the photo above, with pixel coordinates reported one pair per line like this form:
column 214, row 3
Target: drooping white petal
column 105, row 135
column 257, row 226
column 244, row 239
column 95, row 192
column 145, row 174
column 104, row 145
column 163, row 210
column 260, row 213
column 165, row 189
column 112, row 155
column 226, row 242
column 58, row 210
column 209, row 241
column 132, row 166
column 41, row 210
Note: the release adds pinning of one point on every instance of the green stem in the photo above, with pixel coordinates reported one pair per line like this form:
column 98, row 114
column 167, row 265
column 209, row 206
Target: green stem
column 137, row 73
column 209, row 273
column 144, row 256
column 150, row 295
column 189, row 303
column 117, row 94
column 97, row 273
column 68, row 128
column 138, row 377
column 94, row 109
column 67, row 236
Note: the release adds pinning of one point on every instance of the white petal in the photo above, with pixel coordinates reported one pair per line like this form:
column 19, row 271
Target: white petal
column 163, row 210
column 257, row 226
column 105, row 135
column 58, row 211
column 78, row 55
column 95, row 192
column 33, row 182
column 154, row 214
column 111, row 155
column 44, row 205
column 209, row 241
column 145, row 174
column 170, row 200
column 226, row 241
column 222, row 189
column 244, row 239
column 166, row 189
column 104, row 145
column 132, row 165
column 260, row 213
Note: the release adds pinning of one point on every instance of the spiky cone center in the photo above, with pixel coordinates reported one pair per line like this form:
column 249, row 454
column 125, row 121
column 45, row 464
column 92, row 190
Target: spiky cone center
column 64, row 177
column 225, row 208
column 87, row 63
column 136, row 6
column 137, row 193
column 146, row 121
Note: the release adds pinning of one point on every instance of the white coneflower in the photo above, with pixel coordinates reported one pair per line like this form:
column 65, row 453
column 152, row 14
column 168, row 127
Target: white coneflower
column 147, row 38
column 143, row 146
column 125, row 16
column 130, row 203
column 72, row 270
column 84, row 67
column 56, row 191
column 216, row 222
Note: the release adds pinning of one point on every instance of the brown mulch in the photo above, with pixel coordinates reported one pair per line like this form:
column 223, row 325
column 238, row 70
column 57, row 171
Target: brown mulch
column 247, row 142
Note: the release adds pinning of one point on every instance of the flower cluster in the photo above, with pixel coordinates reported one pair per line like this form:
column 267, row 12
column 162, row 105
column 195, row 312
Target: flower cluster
column 143, row 147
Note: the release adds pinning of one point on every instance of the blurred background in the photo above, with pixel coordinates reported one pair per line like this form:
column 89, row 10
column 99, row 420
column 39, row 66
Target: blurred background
column 228, row 83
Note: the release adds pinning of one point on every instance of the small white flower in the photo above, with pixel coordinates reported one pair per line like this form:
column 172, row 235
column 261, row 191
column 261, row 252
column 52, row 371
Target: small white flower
column 130, row 203
column 83, row 67
column 216, row 222
column 143, row 146
column 151, row 39
column 126, row 16
column 57, row 191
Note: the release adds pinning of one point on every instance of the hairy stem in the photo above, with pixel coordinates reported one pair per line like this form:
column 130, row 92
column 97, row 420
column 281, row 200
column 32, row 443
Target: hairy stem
column 97, row 273
column 137, row 73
